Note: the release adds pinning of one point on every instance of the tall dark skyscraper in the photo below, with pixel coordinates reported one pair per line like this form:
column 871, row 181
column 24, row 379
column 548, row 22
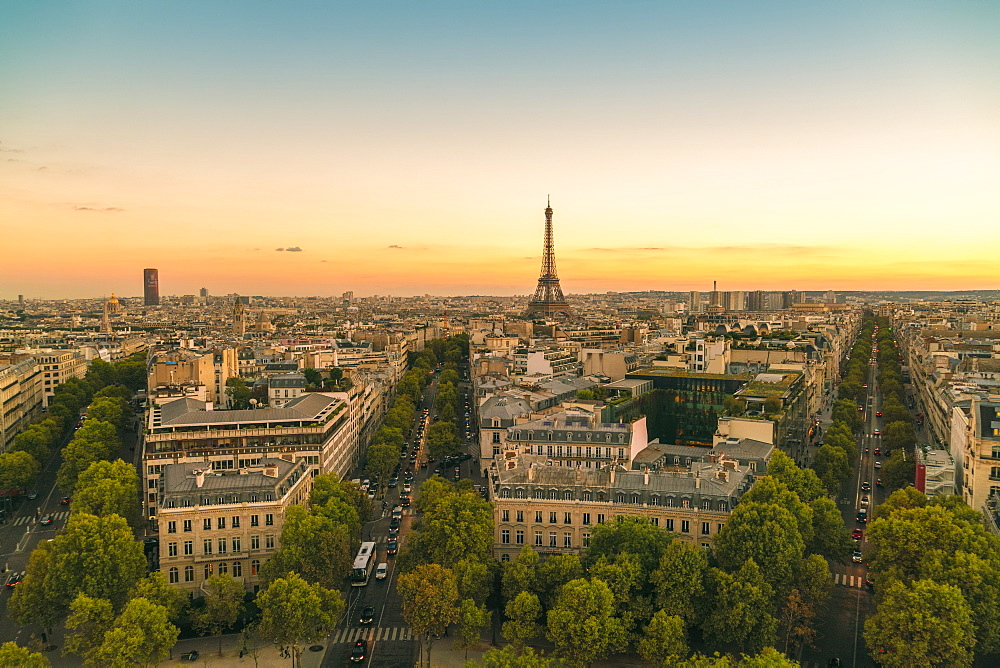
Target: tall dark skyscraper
column 548, row 298
column 151, row 287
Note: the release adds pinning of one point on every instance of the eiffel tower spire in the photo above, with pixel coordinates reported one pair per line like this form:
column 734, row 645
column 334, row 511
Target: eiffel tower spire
column 548, row 298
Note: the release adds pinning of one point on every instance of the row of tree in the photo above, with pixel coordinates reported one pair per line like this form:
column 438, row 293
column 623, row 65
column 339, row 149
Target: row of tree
column 936, row 571
column 899, row 437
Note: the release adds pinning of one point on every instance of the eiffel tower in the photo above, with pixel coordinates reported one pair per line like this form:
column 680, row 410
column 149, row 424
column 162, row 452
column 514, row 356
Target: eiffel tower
column 548, row 299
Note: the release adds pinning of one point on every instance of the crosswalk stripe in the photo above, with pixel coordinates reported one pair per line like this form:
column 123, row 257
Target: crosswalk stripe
column 387, row 633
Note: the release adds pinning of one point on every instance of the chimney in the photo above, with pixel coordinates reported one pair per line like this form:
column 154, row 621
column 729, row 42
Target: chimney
column 199, row 478
column 613, row 467
column 722, row 475
column 645, row 475
column 270, row 471
column 531, row 472
column 697, row 480
column 209, row 406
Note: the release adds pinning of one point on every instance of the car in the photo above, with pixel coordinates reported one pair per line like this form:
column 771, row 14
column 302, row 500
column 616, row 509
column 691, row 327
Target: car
column 397, row 512
column 865, row 500
column 382, row 571
column 190, row 656
column 371, row 493
column 64, row 501
column 360, row 651
column 878, row 464
column 879, row 483
column 465, row 456
column 860, row 407
column 392, row 482
column 13, row 579
column 878, row 413
column 862, row 516
column 392, row 547
column 423, row 464
column 367, row 615
column 406, row 488
column 404, row 501
column 877, row 432
column 866, row 486
column 46, row 519
column 878, row 450
column 858, row 534
column 870, row 583
column 32, row 496
column 865, row 385
column 394, row 522
column 856, row 557
column 431, row 459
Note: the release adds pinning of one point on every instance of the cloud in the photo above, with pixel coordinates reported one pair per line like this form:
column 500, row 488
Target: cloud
column 394, row 246
column 290, row 249
column 100, row 209
column 4, row 149
column 322, row 260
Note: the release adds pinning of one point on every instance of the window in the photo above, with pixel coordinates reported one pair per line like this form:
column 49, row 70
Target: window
column 519, row 537
column 496, row 437
column 235, row 540
column 255, row 520
column 552, row 518
column 586, row 539
column 505, row 536
column 706, row 546
column 269, row 520
column 685, row 503
column 208, row 571
column 568, row 494
column 269, row 542
column 587, row 496
column 237, row 569
column 172, row 549
column 685, row 526
column 706, row 504
column 538, row 517
column 995, row 473
column 188, row 547
column 174, row 575
column 151, row 483
column 223, row 544
column 586, row 518
column 206, row 546
column 600, row 518
column 504, row 493
column 520, row 516
column 518, row 493
column 567, row 540
column 236, row 521
column 669, row 524
column 223, row 568
column 220, row 523
column 254, row 567
column 189, row 574
column 538, row 538
column 171, row 527
column 655, row 521
column 705, row 529
column 254, row 542
column 187, row 525
column 206, row 524
column 505, row 516
column 552, row 539
column 505, row 558
column 567, row 518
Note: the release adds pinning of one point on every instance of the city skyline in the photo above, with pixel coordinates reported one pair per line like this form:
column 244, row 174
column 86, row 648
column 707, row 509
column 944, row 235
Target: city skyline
column 317, row 148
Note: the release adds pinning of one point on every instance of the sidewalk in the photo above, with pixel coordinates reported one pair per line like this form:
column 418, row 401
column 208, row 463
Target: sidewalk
column 208, row 654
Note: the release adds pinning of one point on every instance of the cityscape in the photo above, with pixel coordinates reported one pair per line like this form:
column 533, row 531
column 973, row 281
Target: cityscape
column 499, row 336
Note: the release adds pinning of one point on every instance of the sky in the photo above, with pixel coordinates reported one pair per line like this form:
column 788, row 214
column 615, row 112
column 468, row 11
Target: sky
column 310, row 148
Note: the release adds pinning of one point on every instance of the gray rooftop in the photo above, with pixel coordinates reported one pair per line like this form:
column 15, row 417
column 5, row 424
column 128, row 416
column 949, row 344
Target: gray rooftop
column 182, row 478
column 313, row 406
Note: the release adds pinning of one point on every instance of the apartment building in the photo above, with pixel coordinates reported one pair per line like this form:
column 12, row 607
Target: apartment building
column 21, row 397
column 284, row 387
column 577, row 437
column 981, row 459
column 218, row 522
column 58, row 366
column 553, row 509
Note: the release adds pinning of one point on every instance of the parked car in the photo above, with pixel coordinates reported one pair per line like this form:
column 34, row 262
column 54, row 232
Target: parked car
column 190, row 656
column 879, row 483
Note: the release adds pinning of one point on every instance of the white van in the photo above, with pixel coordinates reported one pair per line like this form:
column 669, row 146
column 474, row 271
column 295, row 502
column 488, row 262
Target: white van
column 382, row 571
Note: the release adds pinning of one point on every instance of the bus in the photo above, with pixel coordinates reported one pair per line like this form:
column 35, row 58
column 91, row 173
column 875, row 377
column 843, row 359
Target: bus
column 364, row 563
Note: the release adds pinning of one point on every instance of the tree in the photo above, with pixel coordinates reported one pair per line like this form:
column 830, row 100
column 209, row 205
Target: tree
column 927, row 624
column 239, row 393
column 829, row 535
column 141, row 635
column 18, row 471
column 94, row 441
column 36, row 440
column 832, row 466
column 679, row 580
column 663, row 640
column 314, row 546
column 522, row 624
column 429, row 596
column 520, row 575
column 741, row 608
column 798, row 619
column 155, row 589
column 472, row 619
column 382, row 457
column 107, row 488
column 900, row 469
column 582, row 623
column 474, row 579
column 90, row 618
column 624, row 577
column 766, row 534
column 772, row 490
column 772, row 405
column 432, row 490
column 803, row 482
column 328, row 486
column 313, row 377
column 223, row 604
column 112, row 410
column 899, row 435
column 292, row 610
column 13, row 655
column 37, row 599
column 554, row 572
column 458, row 526
column 442, row 439
column 628, row 534
column 508, row 657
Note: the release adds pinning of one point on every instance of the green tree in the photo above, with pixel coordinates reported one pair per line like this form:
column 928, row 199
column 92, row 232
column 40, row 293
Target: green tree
column 508, row 657
column 458, row 526
column 523, row 613
column 554, row 572
column 900, row 469
column 521, row 574
column 142, row 635
column 38, row 599
column 292, row 611
column 474, row 579
column 803, row 482
column 829, row 535
column 832, row 466
column 313, row 377
column 13, row 655
column 582, row 624
column 18, row 471
column 624, row 577
column 664, row 640
column 442, row 439
column 223, row 604
column 112, row 410
column 95, row 441
column 239, row 393
column 741, row 608
column 382, row 457
column 328, row 486
column 429, row 595
column 927, row 624
column 36, row 440
column 679, row 580
column 798, row 620
column 978, row 579
column 314, row 546
column 634, row 535
column 772, row 490
column 107, row 488
column 899, row 435
column 772, row 405
column 472, row 619
column 766, row 534
column 156, row 589
column 432, row 490
column 89, row 619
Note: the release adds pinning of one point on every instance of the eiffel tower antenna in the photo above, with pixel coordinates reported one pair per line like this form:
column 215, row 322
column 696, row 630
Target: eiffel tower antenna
column 548, row 298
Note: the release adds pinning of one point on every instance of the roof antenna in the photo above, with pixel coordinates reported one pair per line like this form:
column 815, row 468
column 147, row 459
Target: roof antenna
column 548, row 201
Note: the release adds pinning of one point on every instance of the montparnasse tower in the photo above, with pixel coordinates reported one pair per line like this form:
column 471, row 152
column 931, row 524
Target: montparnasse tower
column 548, row 299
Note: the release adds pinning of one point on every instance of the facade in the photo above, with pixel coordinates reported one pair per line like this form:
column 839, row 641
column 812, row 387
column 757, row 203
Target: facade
column 576, row 437
column 554, row 509
column 496, row 415
column 58, row 366
column 981, row 466
column 284, row 387
column 935, row 472
column 216, row 522
column 20, row 398
column 151, row 287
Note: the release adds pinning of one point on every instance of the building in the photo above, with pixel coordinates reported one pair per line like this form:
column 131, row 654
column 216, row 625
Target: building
column 21, row 397
column 218, row 522
column 935, row 472
column 553, row 509
column 576, row 437
column 151, row 287
column 58, row 366
column 981, row 465
column 496, row 415
column 548, row 299
column 284, row 387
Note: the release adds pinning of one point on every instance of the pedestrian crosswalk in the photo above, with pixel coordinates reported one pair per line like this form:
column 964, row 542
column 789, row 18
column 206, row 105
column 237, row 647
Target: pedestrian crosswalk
column 388, row 633
column 30, row 519
column 856, row 581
